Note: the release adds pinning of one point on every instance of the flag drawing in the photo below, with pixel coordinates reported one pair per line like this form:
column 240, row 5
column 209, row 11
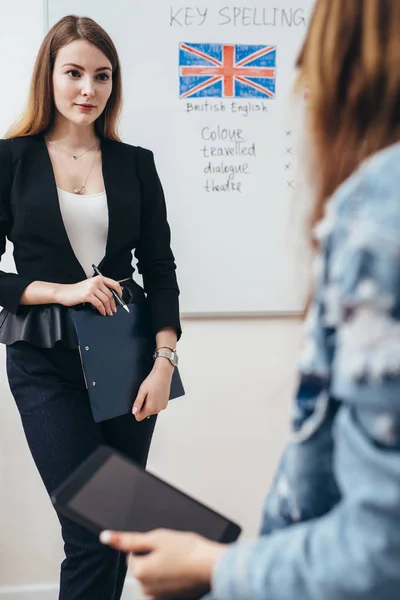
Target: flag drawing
column 227, row 71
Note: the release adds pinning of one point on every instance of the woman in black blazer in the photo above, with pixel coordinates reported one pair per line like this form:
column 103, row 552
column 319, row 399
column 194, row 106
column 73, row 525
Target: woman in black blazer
column 63, row 167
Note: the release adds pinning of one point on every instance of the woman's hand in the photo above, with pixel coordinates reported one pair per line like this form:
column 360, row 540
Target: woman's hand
column 153, row 394
column 176, row 564
column 94, row 290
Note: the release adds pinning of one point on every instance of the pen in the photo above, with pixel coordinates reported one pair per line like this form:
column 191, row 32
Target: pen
column 114, row 293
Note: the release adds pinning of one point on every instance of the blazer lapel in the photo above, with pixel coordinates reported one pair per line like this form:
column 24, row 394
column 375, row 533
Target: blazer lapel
column 122, row 197
column 47, row 190
column 109, row 165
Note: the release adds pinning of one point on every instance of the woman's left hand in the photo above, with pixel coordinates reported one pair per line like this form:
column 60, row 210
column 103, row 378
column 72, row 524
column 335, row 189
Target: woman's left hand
column 153, row 394
column 175, row 564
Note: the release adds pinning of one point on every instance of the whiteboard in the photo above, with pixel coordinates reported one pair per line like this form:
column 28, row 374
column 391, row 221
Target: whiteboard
column 208, row 88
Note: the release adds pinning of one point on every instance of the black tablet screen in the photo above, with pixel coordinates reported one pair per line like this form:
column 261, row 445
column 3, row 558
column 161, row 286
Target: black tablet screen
column 120, row 496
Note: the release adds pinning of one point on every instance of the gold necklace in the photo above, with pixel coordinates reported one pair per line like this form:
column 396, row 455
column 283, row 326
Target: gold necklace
column 74, row 156
column 82, row 188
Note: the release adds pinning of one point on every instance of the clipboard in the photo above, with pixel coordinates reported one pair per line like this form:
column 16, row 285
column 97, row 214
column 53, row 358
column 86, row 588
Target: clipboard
column 117, row 355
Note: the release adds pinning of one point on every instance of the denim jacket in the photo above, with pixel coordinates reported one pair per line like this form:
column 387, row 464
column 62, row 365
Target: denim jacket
column 331, row 527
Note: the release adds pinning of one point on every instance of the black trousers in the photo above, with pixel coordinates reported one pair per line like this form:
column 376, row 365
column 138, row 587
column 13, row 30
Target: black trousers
column 49, row 389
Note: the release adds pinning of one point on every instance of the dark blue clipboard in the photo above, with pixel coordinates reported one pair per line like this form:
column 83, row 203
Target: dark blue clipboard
column 117, row 355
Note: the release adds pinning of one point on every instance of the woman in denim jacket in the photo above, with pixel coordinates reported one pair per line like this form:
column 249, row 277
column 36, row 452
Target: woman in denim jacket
column 331, row 528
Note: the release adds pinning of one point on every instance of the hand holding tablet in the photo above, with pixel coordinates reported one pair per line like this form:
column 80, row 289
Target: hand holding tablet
column 110, row 492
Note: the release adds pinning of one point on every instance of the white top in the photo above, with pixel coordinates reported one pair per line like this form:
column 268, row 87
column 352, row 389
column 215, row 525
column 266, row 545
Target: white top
column 86, row 223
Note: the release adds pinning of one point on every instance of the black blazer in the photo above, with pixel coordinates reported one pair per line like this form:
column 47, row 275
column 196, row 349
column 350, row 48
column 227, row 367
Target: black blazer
column 30, row 218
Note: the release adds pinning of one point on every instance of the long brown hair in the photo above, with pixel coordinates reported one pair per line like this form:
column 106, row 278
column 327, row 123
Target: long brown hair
column 39, row 112
column 350, row 62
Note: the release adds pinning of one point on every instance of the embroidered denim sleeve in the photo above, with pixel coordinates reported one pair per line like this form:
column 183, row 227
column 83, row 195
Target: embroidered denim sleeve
column 366, row 270
column 346, row 423
column 352, row 553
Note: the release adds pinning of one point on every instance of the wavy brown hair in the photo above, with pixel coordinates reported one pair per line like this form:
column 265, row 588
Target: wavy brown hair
column 38, row 115
column 350, row 62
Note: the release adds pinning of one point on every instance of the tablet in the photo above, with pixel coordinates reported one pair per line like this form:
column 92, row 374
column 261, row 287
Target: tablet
column 109, row 491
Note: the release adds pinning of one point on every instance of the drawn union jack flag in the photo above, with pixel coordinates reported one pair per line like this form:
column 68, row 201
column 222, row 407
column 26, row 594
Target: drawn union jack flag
column 227, row 71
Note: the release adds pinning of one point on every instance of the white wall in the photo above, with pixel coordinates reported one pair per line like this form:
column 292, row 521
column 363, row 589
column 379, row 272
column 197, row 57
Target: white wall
column 220, row 443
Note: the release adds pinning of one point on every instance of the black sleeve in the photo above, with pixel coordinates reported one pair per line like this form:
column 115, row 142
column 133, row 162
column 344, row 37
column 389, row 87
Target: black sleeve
column 156, row 261
column 11, row 285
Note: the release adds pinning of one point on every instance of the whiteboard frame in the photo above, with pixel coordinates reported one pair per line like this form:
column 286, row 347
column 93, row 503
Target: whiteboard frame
column 284, row 314
column 237, row 316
